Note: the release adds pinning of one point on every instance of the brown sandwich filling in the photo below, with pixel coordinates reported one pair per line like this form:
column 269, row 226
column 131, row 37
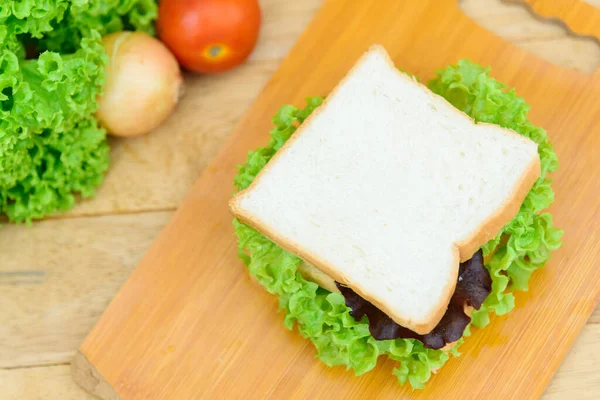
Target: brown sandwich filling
column 473, row 286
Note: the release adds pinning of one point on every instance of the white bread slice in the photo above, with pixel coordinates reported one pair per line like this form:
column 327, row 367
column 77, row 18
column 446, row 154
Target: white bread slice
column 386, row 187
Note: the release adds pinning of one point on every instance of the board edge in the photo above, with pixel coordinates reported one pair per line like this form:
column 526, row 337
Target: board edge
column 85, row 374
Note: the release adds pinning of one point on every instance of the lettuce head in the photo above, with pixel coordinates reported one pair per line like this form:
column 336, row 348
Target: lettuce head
column 51, row 72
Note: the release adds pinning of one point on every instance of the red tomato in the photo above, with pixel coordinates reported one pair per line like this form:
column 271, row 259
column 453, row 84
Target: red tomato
column 209, row 35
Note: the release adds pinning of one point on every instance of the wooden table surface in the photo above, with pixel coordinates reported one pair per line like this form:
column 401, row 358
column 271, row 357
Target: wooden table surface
column 57, row 276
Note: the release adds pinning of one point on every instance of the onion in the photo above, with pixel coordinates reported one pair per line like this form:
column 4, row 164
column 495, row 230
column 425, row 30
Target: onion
column 143, row 84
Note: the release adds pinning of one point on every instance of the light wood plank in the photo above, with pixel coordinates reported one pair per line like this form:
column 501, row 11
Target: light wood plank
column 595, row 319
column 41, row 383
column 578, row 377
column 57, row 277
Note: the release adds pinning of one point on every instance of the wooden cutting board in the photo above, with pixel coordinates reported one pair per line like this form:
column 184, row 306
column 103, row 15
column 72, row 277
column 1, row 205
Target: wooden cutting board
column 190, row 324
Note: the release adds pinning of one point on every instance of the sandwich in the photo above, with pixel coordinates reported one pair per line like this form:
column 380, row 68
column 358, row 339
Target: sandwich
column 390, row 217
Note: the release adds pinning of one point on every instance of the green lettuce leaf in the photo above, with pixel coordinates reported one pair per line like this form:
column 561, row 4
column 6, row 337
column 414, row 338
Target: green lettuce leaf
column 104, row 17
column 51, row 72
column 531, row 235
column 323, row 317
column 22, row 19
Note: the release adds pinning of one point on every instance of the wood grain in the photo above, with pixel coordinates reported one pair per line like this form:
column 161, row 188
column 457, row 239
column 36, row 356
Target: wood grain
column 61, row 279
column 576, row 378
column 190, row 323
column 572, row 380
column 41, row 383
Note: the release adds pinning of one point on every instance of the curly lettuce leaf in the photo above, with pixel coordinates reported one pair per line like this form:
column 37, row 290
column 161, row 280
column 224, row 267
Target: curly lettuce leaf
column 56, row 166
column 323, row 317
column 104, row 17
column 28, row 17
column 531, row 235
column 52, row 148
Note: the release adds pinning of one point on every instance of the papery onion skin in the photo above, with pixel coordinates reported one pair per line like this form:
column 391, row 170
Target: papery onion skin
column 143, row 84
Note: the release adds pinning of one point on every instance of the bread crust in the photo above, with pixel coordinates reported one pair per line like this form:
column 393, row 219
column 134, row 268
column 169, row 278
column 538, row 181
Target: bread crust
column 462, row 250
